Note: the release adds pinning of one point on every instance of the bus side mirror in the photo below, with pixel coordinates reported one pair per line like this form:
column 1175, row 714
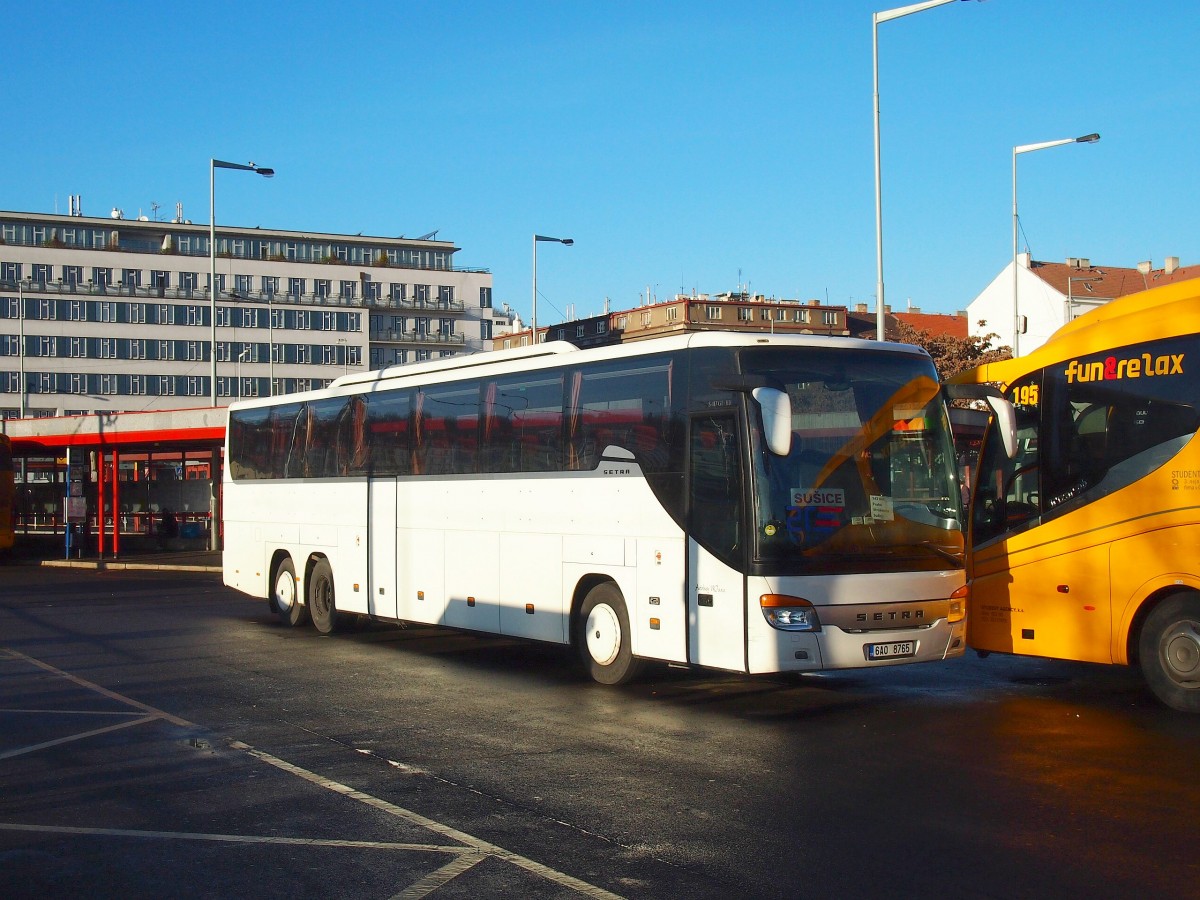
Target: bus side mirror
column 1003, row 411
column 776, row 408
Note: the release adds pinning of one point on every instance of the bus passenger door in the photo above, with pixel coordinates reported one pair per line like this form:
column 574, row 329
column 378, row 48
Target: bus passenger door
column 381, row 531
column 716, row 588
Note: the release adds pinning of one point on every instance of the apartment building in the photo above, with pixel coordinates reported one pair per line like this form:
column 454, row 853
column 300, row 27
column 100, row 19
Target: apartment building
column 115, row 314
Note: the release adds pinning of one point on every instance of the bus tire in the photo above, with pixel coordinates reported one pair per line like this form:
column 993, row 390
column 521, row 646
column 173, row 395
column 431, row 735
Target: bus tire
column 1169, row 652
column 321, row 603
column 603, row 636
column 285, row 599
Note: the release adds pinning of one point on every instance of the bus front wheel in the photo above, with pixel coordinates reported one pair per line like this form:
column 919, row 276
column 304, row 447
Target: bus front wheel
column 285, row 599
column 321, row 603
column 603, row 636
column 1169, row 652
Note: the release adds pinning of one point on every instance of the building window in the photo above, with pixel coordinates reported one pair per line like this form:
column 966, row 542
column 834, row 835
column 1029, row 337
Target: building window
column 137, row 348
column 108, row 384
column 108, row 348
column 623, row 322
column 195, row 386
column 47, row 346
column 106, row 311
column 485, row 298
column 102, row 278
column 76, row 347
column 195, row 350
column 166, row 350
column 303, row 320
column 131, row 278
column 249, row 317
column 270, row 285
column 445, row 294
column 47, row 309
column 166, row 314
column 159, row 280
column 295, row 288
column 485, row 330
column 802, row 315
column 41, row 273
column 745, row 314
column 831, row 318
column 187, row 282
column 445, row 326
column 349, row 290
column 354, row 355
column 421, row 293
column 647, row 318
column 137, row 384
column 77, row 383
column 328, row 321
column 224, row 316
column 602, row 326
column 47, row 383
column 10, row 273
column 76, row 311
column 193, row 315
column 370, row 290
column 166, row 386
column 72, row 275
column 322, row 287
column 137, row 313
column 304, row 354
column 578, row 331
column 243, row 285
column 712, row 312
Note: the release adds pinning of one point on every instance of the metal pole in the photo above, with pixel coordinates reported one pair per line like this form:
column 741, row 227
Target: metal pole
column 878, row 189
column 533, row 338
column 21, row 338
column 212, row 284
column 1016, row 310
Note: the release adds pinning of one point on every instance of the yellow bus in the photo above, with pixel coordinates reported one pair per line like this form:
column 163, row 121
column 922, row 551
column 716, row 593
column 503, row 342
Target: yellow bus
column 8, row 495
column 1084, row 539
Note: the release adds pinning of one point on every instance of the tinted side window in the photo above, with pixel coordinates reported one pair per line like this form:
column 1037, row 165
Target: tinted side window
column 1114, row 417
column 522, row 430
column 387, row 425
column 446, row 434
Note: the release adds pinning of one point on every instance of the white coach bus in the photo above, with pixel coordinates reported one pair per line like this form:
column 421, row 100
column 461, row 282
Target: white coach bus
column 749, row 503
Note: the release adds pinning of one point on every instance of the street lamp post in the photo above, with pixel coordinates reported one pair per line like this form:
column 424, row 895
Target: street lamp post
column 1029, row 148
column 886, row 16
column 215, row 164
column 21, row 339
column 541, row 237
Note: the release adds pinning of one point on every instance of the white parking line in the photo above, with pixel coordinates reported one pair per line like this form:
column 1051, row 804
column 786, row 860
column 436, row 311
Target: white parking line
column 560, row 878
column 473, row 851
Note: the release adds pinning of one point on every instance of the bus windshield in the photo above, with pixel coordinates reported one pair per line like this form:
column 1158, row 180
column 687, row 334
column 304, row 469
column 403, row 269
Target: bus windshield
column 870, row 480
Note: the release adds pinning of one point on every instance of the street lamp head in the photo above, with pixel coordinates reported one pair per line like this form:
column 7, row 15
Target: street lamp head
column 263, row 171
column 1087, row 139
column 567, row 241
column 541, row 237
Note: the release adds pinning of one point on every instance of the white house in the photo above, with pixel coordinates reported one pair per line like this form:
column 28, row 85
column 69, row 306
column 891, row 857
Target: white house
column 1048, row 295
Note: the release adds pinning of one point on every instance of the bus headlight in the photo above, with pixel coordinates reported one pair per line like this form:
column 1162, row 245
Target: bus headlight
column 958, row 604
column 789, row 613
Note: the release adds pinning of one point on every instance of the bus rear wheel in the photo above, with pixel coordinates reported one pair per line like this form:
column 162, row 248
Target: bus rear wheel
column 285, row 599
column 1169, row 652
column 603, row 636
column 321, row 603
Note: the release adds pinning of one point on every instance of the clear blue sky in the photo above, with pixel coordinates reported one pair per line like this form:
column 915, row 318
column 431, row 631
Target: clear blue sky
column 682, row 145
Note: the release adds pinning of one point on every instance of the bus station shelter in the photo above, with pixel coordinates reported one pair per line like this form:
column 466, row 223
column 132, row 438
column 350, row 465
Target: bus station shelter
column 112, row 482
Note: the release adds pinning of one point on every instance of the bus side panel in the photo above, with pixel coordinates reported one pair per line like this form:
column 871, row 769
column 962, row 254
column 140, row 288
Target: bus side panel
column 660, row 611
column 716, row 612
column 531, row 567
column 1142, row 566
column 1025, row 601
column 421, row 560
column 472, row 580
column 381, row 535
